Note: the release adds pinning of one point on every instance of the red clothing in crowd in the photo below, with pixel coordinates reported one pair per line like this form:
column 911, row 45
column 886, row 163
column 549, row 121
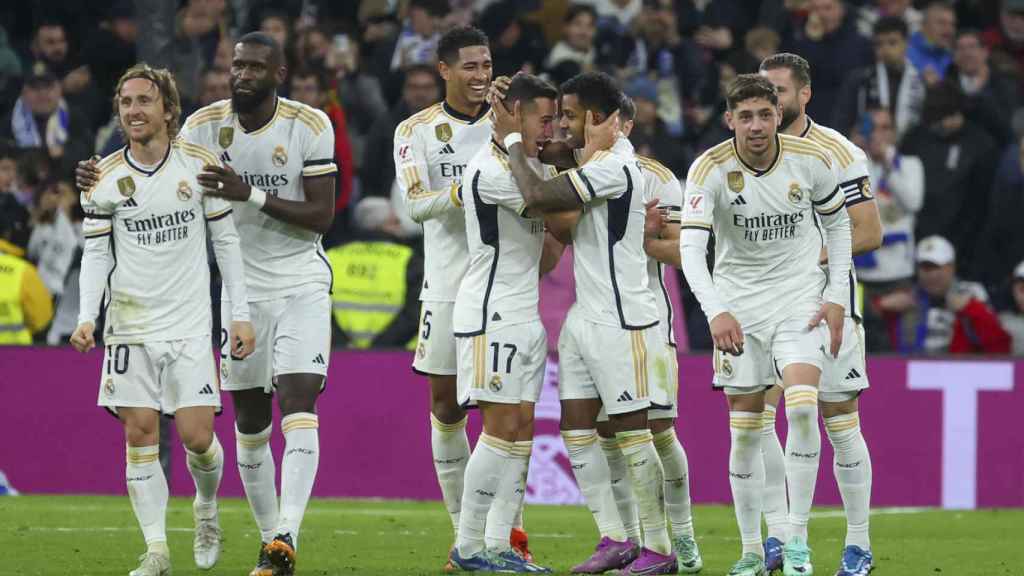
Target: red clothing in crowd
column 342, row 153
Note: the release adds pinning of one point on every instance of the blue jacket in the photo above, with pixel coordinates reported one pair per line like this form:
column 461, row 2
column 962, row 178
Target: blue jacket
column 924, row 55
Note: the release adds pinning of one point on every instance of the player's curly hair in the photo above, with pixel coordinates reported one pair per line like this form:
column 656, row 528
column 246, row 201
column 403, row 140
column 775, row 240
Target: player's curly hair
column 596, row 91
column 749, row 86
column 165, row 84
column 458, row 38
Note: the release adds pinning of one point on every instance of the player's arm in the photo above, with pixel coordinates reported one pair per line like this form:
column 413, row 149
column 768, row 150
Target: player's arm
column 421, row 202
column 664, row 246
column 830, row 204
column 861, row 206
column 97, row 262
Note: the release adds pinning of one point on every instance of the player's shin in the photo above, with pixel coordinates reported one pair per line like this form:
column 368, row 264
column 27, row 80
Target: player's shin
column 487, row 467
column 206, row 468
column 508, row 501
column 147, row 490
column 622, row 488
column 594, row 479
column 450, row 448
column 257, row 469
column 803, row 451
column 776, row 507
column 852, row 467
column 647, row 478
column 746, row 477
column 298, row 469
column 677, row 482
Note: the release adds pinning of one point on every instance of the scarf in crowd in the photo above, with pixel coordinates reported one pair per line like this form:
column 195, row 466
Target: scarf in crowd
column 26, row 131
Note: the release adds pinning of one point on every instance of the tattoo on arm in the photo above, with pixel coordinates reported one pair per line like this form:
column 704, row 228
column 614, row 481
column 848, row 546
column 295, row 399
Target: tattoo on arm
column 541, row 195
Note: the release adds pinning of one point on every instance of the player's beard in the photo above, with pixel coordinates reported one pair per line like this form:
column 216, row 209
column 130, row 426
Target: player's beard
column 245, row 103
column 789, row 115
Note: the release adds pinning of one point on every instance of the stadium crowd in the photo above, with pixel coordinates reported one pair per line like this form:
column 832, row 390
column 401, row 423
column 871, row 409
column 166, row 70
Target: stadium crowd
column 930, row 90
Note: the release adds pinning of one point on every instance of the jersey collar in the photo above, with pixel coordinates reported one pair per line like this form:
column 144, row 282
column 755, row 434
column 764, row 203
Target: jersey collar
column 807, row 127
column 455, row 114
column 498, row 146
column 143, row 171
column 755, row 171
column 277, row 108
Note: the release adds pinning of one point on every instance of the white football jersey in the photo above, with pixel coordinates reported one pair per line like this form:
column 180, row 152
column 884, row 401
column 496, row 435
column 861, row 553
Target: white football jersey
column 159, row 287
column 661, row 184
column 432, row 149
column 609, row 262
column 854, row 181
column 297, row 142
column 767, row 240
column 500, row 287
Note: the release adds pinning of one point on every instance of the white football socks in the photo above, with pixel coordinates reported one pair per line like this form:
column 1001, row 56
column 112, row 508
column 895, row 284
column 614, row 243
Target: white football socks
column 648, row 485
column 677, row 482
column 487, row 467
column 622, row 489
column 258, row 472
column 803, row 451
column 298, row 469
column 852, row 468
column 206, row 469
column 508, row 502
column 590, row 468
column 776, row 507
column 147, row 490
column 746, row 477
column 450, row 448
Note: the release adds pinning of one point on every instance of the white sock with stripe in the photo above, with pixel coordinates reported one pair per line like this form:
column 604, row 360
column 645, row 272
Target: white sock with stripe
column 852, row 468
column 590, row 468
column 622, row 489
column 508, row 502
column 147, row 490
column 488, row 465
column 677, row 482
column 803, row 451
column 776, row 507
column 746, row 477
column 206, row 469
column 298, row 469
column 450, row 448
column 258, row 471
column 648, row 481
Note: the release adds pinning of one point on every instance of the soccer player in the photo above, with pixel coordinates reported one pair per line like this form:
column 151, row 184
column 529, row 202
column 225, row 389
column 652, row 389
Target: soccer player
column 432, row 149
column 661, row 188
column 502, row 345
column 279, row 173
column 146, row 223
column 842, row 379
column 756, row 191
column 610, row 345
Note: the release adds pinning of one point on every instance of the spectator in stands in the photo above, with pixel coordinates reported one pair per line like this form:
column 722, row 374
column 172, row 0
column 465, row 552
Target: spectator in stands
column 307, row 86
column 1003, row 242
column 650, row 135
column 41, row 118
column 279, row 27
column 830, row 43
column 214, row 86
column 617, row 14
column 515, row 43
column 869, row 15
column 111, row 51
column 954, row 314
column 26, row 306
column 50, row 46
column 575, row 52
column 417, row 42
column 1012, row 320
column 1006, row 41
column 422, row 87
column 54, row 240
column 10, row 72
column 357, row 89
column 377, row 279
column 931, row 48
column 892, row 82
column 898, row 182
column 8, row 171
column 959, row 161
column 990, row 96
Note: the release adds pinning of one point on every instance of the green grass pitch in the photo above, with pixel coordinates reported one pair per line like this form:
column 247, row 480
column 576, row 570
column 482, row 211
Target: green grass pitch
column 89, row 535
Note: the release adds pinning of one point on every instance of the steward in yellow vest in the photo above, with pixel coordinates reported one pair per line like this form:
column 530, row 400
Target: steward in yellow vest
column 26, row 306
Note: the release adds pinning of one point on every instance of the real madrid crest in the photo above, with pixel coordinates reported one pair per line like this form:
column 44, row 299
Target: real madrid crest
column 226, row 136
column 795, row 194
column 421, row 351
column 726, row 368
column 184, row 191
column 735, row 181
column 224, row 371
column 496, row 383
column 126, row 186
column 280, row 157
column 108, row 386
column 865, row 188
column 443, row 132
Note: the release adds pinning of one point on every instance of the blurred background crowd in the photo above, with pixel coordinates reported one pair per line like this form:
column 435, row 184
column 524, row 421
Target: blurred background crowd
column 930, row 90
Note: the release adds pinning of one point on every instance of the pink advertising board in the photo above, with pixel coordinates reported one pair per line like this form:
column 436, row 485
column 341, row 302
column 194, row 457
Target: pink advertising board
column 941, row 432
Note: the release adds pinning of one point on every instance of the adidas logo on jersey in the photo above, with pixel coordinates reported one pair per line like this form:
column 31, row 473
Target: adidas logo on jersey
column 207, row 389
column 447, row 149
column 739, row 201
column 625, row 396
column 496, row 317
column 130, row 203
column 225, row 157
column 852, row 374
column 319, row 360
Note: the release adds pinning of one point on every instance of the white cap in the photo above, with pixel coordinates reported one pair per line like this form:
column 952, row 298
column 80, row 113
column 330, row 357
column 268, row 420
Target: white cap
column 1018, row 272
column 935, row 250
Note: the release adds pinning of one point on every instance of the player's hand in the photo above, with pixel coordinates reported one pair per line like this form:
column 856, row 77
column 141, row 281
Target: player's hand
column 82, row 339
column 243, row 340
column 505, row 121
column 654, row 220
column 498, row 88
column 87, row 174
column 727, row 334
column 222, row 182
column 834, row 315
column 599, row 136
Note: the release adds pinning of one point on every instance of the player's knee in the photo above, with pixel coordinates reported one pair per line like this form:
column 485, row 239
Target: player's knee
column 660, row 425
column 296, row 403
column 636, row 420
column 196, row 439
column 605, row 430
column 447, row 411
column 136, row 435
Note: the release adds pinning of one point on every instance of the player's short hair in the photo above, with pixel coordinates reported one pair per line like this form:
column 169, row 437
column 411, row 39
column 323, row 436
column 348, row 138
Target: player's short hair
column 596, row 91
column 577, row 9
column 525, row 87
column 165, row 85
column 798, row 67
column 750, row 86
column 458, row 38
column 889, row 25
column 627, row 109
column 263, row 39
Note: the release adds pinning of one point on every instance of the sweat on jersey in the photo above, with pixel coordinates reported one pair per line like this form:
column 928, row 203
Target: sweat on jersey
column 296, row 143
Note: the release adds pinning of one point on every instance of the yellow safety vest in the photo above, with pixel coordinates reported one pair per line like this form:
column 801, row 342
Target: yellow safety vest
column 369, row 287
column 12, row 317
